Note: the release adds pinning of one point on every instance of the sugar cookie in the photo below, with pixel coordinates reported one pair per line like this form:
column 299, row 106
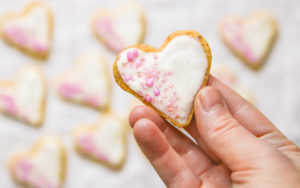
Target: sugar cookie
column 250, row 38
column 30, row 31
column 88, row 82
column 167, row 78
column 42, row 166
column 120, row 27
column 25, row 97
column 105, row 141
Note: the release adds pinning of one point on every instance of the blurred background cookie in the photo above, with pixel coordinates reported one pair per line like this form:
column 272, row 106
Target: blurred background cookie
column 30, row 31
column 44, row 165
column 88, row 82
column 120, row 27
column 25, row 97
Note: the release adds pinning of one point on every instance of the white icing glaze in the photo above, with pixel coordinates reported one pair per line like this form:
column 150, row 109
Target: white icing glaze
column 35, row 25
column 91, row 76
column 256, row 33
column 184, row 62
column 29, row 93
column 47, row 162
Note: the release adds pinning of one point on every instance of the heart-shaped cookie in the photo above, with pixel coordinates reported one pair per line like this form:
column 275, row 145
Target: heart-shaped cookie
column 87, row 83
column 103, row 142
column 167, row 78
column 30, row 31
column 121, row 27
column 25, row 97
column 44, row 166
column 250, row 38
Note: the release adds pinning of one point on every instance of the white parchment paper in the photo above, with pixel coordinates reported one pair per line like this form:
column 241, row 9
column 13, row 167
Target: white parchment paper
column 276, row 85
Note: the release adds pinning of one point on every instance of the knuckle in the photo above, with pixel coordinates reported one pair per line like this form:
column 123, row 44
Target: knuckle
column 223, row 127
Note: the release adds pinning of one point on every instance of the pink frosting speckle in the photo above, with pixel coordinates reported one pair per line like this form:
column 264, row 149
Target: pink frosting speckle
column 104, row 28
column 9, row 104
column 237, row 41
column 155, row 86
column 127, row 78
column 22, row 169
column 101, row 156
column 39, row 47
column 86, row 142
column 17, row 34
column 69, row 90
column 92, row 100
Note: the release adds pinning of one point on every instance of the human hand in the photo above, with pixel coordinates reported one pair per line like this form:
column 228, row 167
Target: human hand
column 236, row 145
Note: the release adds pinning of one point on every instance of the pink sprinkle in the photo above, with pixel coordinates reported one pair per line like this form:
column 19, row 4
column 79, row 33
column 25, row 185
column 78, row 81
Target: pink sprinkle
column 130, row 57
column 156, row 91
column 135, row 53
column 127, row 78
column 138, row 63
column 149, row 82
column 148, row 98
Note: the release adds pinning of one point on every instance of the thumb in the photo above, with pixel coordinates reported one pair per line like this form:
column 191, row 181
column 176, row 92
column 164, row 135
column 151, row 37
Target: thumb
column 229, row 140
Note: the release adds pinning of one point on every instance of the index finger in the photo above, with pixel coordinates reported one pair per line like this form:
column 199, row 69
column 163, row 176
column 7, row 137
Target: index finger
column 244, row 112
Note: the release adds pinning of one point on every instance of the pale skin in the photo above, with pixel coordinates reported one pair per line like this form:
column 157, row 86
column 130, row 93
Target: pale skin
column 235, row 145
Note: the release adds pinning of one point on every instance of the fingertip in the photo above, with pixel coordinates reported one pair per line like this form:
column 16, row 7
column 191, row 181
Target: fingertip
column 143, row 127
column 137, row 113
column 149, row 138
column 208, row 98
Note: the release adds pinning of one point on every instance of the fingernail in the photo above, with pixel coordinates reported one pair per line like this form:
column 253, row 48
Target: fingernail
column 210, row 98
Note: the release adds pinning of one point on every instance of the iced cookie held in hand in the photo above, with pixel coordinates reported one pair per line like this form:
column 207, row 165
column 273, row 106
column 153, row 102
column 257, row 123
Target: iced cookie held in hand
column 104, row 142
column 29, row 31
column 25, row 97
column 167, row 78
column 121, row 27
column 87, row 83
column 250, row 38
column 42, row 166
